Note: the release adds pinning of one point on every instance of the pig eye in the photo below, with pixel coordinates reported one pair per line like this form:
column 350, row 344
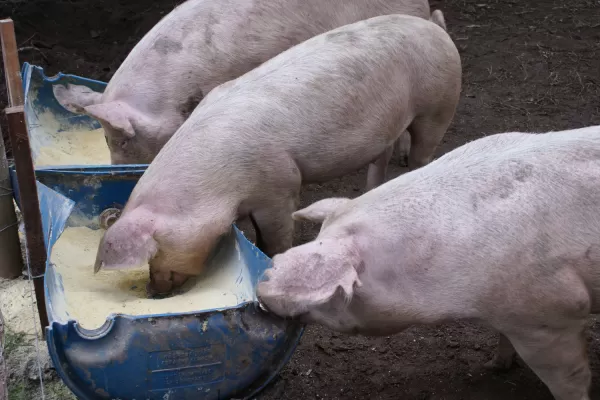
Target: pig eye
column 124, row 143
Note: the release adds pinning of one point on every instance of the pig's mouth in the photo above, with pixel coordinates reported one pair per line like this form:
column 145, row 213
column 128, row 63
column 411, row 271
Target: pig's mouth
column 298, row 317
column 161, row 296
column 263, row 307
column 156, row 295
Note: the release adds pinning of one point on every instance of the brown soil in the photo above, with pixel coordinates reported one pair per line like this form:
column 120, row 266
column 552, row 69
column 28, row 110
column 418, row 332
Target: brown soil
column 528, row 65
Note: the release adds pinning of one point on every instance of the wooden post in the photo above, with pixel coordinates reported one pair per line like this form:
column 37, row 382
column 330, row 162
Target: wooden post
column 11, row 260
column 19, row 137
column 12, row 69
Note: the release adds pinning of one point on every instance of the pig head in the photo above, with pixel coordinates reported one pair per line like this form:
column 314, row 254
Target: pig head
column 316, row 282
column 173, row 249
column 132, row 136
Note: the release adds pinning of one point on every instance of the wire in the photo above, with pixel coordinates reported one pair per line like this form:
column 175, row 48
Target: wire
column 35, row 321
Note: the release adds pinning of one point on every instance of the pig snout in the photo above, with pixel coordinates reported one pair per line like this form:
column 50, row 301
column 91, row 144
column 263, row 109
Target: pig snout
column 163, row 284
column 261, row 303
column 158, row 290
column 262, row 291
column 269, row 300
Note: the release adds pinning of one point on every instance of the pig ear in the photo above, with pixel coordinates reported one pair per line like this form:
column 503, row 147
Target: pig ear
column 345, row 280
column 318, row 211
column 115, row 114
column 75, row 97
column 126, row 244
column 332, row 269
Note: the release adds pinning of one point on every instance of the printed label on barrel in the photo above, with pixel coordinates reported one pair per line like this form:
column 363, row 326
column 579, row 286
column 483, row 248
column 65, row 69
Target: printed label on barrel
column 186, row 367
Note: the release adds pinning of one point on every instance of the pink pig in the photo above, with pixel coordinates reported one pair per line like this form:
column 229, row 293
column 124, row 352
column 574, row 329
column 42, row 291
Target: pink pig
column 320, row 110
column 504, row 230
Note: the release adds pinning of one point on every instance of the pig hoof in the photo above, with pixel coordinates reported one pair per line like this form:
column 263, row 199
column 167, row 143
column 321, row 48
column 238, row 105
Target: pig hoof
column 108, row 217
column 497, row 364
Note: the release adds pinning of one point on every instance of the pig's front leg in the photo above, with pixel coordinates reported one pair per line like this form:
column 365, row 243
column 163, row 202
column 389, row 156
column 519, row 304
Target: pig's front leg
column 558, row 356
column 274, row 226
column 378, row 169
column 504, row 356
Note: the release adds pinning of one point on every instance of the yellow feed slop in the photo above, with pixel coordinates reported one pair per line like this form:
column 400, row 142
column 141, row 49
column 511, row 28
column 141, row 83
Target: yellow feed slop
column 91, row 298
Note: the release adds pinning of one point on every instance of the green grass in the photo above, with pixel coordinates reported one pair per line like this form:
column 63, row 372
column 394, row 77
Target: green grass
column 56, row 390
column 53, row 390
column 12, row 341
column 18, row 391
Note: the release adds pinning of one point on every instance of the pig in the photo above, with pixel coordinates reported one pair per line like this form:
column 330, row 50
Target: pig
column 317, row 111
column 200, row 45
column 504, row 230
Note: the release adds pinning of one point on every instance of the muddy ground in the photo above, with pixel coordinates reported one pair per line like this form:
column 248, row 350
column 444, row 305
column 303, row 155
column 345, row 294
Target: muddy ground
column 528, row 65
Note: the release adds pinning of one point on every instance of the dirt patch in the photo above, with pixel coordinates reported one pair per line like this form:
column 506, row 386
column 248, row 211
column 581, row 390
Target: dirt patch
column 16, row 299
column 528, row 65
column 31, row 375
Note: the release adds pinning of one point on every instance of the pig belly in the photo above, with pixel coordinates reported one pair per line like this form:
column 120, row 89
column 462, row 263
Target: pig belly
column 334, row 165
column 337, row 153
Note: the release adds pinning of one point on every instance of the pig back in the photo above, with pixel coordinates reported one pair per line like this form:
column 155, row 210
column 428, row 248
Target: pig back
column 203, row 43
column 505, row 200
column 334, row 102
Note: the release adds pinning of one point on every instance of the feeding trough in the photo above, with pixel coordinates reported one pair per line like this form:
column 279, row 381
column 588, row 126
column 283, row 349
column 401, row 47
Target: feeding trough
column 56, row 136
column 210, row 351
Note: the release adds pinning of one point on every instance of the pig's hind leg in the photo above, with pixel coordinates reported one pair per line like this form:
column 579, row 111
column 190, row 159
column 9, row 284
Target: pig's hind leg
column 426, row 133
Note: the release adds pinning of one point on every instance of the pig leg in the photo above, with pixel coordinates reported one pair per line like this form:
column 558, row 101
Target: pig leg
column 426, row 133
column 403, row 148
column 246, row 225
column 504, row 357
column 378, row 169
column 559, row 358
column 274, row 226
